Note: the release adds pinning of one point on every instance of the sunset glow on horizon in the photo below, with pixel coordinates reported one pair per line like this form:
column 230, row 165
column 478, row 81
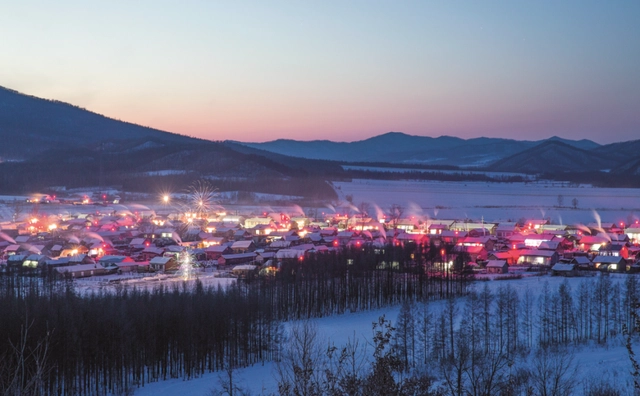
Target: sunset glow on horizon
column 342, row 71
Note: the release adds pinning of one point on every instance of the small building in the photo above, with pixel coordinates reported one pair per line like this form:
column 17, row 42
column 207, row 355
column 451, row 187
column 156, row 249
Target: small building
column 150, row 252
column 564, row 269
column 582, row 262
column 610, row 263
column 214, row 252
column 82, row 270
column 538, row 258
column 244, row 271
column 236, row 259
column 497, row 267
column 163, row 264
column 243, row 246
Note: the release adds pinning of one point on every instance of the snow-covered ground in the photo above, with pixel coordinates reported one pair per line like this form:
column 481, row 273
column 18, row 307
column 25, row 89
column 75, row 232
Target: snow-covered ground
column 496, row 201
column 109, row 283
column 609, row 363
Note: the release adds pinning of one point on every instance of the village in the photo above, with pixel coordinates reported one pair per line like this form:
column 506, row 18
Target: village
column 112, row 244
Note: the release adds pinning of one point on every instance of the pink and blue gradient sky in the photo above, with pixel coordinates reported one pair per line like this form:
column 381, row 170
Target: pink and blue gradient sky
column 338, row 70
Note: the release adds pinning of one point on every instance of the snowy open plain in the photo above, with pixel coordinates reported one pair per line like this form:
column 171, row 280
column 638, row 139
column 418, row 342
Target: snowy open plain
column 496, row 201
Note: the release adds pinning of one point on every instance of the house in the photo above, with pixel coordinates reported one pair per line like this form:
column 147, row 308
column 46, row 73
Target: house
column 486, row 228
column 252, row 222
column 244, row 271
column 564, row 269
column 150, row 252
column 497, row 267
column 417, row 239
column 12, row 249
column 34, row 261
column 487, row 242
column 80, row 259
column 163, row 264
column 475, row 253
column 289, row 254
column 535, row 224
column 538, row 258
column 263, row 229
column 436, row 229
column 236, row 259
column 590, row 243
column 614, row 249
column 510, row 256
column 634, row 234
column 582, row 262
column 243, row 246
column 126, row 267
column 264, row 257
column 16, row 260
column 81, row 270
column 241, row 235
column 279, row 244
column 110, row 263
column 505, row 230
column 212, row 241
column 214, row 252
column 450, row 237
column 610, row 263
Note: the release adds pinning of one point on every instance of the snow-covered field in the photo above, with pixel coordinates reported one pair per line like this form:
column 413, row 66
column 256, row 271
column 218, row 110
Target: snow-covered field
column 610, row 362
column 496, row 201
column 109, row 283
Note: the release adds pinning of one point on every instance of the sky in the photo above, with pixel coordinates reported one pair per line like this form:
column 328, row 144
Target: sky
column 337, row 70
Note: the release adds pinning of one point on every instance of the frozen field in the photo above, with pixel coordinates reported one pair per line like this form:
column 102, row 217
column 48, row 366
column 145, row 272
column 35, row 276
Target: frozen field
column 611, row 362
column 496, row 201
column 149, row 282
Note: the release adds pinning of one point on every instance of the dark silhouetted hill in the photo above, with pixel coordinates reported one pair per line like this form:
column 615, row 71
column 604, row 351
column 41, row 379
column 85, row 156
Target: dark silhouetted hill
column 30, row 125
column 555, row 156
column 397, row 147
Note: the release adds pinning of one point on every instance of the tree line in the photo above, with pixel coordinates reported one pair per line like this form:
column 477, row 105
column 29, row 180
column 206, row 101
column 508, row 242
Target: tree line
column 488, row 343
column 108, row 342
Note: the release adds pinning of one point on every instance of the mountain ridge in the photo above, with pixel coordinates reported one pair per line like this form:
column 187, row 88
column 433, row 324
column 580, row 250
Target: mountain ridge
column 399, row 147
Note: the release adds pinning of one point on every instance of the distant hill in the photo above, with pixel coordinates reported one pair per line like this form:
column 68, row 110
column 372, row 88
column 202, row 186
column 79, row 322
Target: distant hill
column 555, row 156
column 58, row 144
column 30, row 125
column 397, row 147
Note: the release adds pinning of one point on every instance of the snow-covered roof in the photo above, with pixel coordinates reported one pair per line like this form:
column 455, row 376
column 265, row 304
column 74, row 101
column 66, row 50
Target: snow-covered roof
column 562, row 267
column 496, row 263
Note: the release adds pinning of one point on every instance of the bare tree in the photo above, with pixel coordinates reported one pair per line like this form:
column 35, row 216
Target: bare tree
column 574, row 203
column 228, row 381
column 298, row 373
column 18, row 209
column 560, row 200
column 395, row 214
column 553, row 373
column 24, row 371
